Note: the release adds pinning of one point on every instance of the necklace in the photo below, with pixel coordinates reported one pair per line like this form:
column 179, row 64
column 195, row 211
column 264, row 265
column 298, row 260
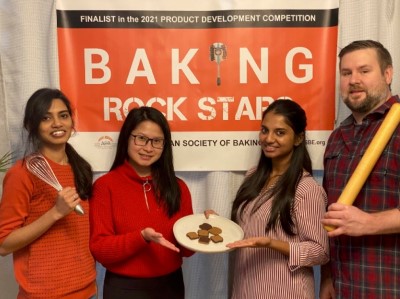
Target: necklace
column 146, row 188
column 54, row 157
column 272, row 180
column 64, row 161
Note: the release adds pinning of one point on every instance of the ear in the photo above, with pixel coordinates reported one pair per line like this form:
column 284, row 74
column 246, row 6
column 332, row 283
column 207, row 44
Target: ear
column 388, row 73
column 299, row 139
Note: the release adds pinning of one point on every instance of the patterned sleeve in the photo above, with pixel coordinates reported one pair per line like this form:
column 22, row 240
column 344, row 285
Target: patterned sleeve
column 312, row 247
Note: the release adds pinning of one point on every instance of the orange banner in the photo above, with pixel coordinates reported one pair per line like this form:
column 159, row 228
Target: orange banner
column 206, row 72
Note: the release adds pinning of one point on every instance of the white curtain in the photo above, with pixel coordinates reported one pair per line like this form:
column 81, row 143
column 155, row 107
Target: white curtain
column 28, row 61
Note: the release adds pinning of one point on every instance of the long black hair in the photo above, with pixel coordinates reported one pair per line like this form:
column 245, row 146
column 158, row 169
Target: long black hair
column 36, row 108
column 165, row 182
column 284, row 190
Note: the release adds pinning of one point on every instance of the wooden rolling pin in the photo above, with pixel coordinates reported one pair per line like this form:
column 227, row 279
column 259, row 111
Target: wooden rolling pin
column 370, row 157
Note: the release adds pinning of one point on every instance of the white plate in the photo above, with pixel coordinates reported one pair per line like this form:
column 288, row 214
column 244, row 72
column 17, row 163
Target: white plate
column 230, row 232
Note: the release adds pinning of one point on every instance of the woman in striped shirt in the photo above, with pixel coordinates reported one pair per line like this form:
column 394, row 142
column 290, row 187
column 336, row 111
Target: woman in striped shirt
column 279, row 206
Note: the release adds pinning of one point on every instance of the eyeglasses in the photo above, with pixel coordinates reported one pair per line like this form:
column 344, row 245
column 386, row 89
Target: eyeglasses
column 143, row 140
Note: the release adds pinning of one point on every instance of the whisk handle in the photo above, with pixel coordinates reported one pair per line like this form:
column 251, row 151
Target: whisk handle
column 79, row 210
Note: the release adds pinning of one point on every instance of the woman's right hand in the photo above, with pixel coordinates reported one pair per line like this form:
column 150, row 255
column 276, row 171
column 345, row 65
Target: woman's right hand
column 207, row 213
column 67, row 200
column 251, row 242
column 326, row 289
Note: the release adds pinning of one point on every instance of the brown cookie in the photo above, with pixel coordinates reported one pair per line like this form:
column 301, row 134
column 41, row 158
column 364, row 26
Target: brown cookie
column 205, row 226
column 202, row 233
column 215, row 230
column 217, row 239
column 204, row 240
column 192, row 235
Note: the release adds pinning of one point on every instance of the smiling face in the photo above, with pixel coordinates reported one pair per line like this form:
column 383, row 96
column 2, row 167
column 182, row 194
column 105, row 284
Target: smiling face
column 277, row 138
column 56, row 126
column 363, row 85
column 141, row 157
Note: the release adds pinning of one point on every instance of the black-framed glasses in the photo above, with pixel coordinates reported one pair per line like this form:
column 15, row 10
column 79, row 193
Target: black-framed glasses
column 143, row 140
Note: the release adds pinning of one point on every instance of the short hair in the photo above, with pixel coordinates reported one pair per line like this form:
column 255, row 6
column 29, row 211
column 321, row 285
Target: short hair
column 384, row 57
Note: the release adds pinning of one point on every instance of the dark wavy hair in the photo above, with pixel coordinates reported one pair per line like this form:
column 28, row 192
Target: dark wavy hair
column 165, row 182
column 284, row 191
column 36, row 108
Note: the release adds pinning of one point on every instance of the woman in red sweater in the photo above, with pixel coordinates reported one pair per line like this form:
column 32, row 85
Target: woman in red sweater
column 133, row 210
column 50, row 245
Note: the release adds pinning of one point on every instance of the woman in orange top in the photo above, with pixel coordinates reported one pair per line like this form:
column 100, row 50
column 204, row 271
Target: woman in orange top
column 50, row 243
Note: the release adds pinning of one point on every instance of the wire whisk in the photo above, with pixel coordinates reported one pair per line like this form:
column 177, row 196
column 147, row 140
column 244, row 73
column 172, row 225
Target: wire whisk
column 218, row 54
column 38, row 166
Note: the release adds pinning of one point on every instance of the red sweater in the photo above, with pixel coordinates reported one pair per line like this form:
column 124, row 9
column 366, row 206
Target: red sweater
column 59, row 263
column 118, row 214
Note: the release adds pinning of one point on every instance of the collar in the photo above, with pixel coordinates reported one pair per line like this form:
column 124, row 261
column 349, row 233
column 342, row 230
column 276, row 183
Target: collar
column 128, row 170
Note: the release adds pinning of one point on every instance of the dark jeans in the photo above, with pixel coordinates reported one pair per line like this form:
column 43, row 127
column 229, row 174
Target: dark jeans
column 121, row 287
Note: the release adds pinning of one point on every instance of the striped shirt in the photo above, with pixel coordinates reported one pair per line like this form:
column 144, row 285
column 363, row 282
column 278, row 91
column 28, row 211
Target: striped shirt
column 266, row 273
column 366, row 266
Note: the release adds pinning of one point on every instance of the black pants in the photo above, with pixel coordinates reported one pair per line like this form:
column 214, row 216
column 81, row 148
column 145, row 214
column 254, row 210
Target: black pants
column 121, row 287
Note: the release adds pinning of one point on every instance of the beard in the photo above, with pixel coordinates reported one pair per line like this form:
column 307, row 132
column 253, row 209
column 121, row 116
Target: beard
column 370, row 102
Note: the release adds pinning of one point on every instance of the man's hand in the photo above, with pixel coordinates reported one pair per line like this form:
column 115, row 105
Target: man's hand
column 348, row 220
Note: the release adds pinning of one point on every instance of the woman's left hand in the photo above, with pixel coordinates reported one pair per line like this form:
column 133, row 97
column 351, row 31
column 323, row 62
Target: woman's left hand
column 251, row 242
column 209, row 212
column 150, row 235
